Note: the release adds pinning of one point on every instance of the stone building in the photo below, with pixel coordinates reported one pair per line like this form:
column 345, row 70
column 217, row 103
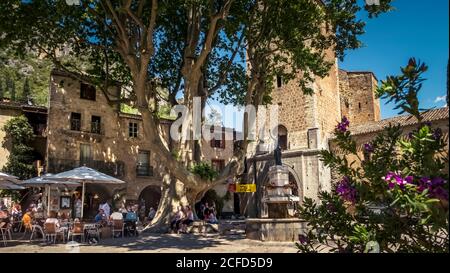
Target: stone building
column 81, row 127
column 306, row 125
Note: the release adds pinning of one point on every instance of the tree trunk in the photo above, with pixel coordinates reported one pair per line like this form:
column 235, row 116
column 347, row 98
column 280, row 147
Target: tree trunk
column 172, row 197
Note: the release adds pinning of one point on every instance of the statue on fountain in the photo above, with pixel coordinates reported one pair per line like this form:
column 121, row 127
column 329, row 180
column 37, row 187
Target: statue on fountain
column 277, row 155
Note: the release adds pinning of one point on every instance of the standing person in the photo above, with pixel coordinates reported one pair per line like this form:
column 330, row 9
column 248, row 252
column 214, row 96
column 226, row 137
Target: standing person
column 106, row 208
column 78, row 208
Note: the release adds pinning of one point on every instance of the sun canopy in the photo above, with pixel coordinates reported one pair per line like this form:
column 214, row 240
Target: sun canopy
column 86, row 175
column 44, row 180
column 6, row 185
column 9, row 178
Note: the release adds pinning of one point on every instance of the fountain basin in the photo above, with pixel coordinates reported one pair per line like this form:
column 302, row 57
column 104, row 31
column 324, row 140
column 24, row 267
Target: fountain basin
column 275, row 229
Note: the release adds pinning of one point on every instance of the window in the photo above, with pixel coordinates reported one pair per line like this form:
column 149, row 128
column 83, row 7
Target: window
column 218, row 164
column 279, row 81
column 359, row 106
column 85, row 154
column 282, row 137
column 75, row 121
column 143, row 164
column 218, row 143
column 132, row 129
column 87, row 91
column 96, row 125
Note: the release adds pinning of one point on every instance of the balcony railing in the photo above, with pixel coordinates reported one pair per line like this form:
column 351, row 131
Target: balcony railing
column 75, row 125
column 116, row 169
column 96, row 127
column 144, row 170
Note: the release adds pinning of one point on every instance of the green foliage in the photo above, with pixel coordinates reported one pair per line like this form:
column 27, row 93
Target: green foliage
column 204, row 170
column 402, row 89
column 396, row 198
column 19, row 135
column 29, row 71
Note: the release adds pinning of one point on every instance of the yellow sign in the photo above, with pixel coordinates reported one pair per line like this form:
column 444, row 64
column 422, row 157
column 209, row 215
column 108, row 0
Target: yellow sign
column 245, row 187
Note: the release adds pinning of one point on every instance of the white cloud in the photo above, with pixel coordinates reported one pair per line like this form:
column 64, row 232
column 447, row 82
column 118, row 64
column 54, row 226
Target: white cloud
column 438, row 99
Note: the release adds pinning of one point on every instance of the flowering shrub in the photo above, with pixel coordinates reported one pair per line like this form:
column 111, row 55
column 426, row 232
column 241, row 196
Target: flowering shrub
column 396, row 200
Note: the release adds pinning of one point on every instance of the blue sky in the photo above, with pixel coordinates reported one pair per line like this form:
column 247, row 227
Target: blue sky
column 417, row 28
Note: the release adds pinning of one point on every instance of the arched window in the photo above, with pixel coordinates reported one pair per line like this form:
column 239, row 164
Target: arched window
column 282, row 137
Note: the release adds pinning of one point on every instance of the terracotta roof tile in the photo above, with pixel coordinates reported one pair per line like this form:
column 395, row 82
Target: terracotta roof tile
column 405, row 120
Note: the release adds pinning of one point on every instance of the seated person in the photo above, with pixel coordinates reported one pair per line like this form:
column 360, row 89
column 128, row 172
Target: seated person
column 151, row 214
column 52, row 219
column 131, row 216
column 27, row 220
column 116, row 216
column 188, row 219
column 211, row 218
column 4, row 219
column 100, row 217
column 176, row 219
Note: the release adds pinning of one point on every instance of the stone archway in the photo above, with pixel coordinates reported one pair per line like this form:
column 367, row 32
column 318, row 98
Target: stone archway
column 150, row 197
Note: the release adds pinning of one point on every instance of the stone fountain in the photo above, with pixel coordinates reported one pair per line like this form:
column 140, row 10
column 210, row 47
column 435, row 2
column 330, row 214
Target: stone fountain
column 280, row 225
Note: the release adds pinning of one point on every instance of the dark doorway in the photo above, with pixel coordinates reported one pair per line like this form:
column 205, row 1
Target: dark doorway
column 150, row 197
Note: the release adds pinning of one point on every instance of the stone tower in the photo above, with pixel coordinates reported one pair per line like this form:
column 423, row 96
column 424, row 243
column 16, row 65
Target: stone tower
column 308, row 120
column 357, row 97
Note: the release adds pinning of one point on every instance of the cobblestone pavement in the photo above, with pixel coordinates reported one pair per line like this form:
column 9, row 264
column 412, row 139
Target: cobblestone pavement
column 157, row 243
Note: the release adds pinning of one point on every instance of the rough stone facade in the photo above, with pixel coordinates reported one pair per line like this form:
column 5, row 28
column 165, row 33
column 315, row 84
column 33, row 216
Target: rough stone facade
column 357, row 97
column 309, row 121
column 108, row 148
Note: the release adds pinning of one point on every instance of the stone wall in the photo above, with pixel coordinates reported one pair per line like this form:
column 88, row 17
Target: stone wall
column 111, row 145
column 357, row 97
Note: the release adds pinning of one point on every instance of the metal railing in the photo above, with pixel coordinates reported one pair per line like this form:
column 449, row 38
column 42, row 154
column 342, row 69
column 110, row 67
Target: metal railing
column 96, row 127
column 75, row 125
column 144, row 170
column 116, row 169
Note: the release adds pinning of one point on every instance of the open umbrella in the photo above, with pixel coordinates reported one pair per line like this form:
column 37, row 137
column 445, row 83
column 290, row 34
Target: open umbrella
column 8, row 177
column 86, row 175
column 9, row 182
column 44, row 181
column 6, row 185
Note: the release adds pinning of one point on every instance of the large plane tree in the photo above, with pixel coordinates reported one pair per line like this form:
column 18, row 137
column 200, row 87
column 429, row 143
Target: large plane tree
column 226, row 49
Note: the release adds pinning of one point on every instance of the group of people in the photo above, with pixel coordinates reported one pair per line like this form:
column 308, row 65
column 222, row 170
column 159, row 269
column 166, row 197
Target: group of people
column 207, row 213
column 181, row 219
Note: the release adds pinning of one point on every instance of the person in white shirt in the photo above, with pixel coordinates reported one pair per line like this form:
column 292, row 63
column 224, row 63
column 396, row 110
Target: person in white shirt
column 52, row 219
column 78, row 208
column 106, row 208
column 116, row 216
